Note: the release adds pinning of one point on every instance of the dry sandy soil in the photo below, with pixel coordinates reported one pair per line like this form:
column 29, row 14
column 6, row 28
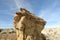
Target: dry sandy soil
column 7, row 34
column 49, row 33
column 52, row 33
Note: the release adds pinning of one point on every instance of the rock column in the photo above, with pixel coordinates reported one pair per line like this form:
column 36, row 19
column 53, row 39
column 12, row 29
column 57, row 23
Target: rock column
column 27, row 25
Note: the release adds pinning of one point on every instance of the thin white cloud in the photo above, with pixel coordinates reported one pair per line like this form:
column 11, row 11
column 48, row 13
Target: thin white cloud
column 10, row 6
column 51, row 15
column 17, row 4
column 23, row 4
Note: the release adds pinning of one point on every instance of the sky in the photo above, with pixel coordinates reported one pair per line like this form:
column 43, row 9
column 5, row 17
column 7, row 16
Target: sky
column 49, row 10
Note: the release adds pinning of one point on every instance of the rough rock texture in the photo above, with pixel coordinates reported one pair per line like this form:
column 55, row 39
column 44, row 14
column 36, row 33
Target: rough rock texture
column 51, row 33
column 7, row 34
column 10, row 34
column 28, row 26
column 48, row 34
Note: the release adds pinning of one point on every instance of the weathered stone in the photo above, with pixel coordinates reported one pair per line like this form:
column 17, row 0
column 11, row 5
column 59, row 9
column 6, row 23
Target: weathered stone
column 28, row 26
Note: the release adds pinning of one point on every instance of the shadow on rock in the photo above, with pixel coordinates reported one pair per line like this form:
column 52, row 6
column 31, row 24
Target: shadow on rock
column 43, row 36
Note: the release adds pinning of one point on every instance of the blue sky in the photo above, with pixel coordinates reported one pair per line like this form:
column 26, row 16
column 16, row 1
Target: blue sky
column 49, row 10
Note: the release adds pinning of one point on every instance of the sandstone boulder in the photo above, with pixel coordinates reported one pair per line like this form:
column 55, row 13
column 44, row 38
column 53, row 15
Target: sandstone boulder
column 27, row 25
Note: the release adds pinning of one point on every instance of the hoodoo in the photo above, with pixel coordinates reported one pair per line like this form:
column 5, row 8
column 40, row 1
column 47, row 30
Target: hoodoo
column 28, row 26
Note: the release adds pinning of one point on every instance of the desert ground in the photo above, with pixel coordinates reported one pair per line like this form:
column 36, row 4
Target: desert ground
column 49, row 34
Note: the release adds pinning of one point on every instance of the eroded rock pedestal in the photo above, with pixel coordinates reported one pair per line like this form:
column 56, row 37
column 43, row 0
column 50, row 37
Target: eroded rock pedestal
column 27, row 25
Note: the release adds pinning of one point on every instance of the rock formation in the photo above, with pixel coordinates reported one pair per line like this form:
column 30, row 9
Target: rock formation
column 27, row 25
